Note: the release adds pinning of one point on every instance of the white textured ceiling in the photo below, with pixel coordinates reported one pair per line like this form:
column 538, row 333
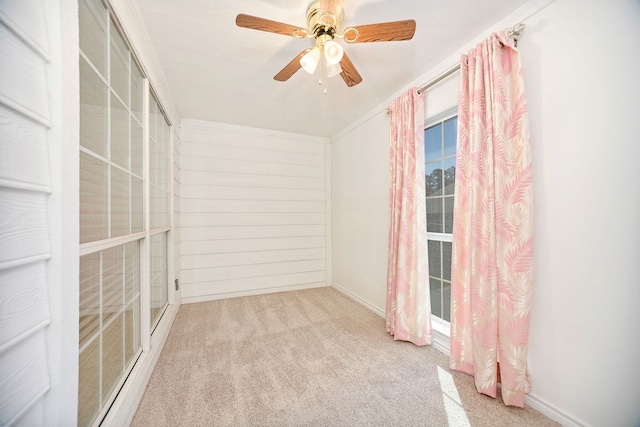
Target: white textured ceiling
column 222, row 73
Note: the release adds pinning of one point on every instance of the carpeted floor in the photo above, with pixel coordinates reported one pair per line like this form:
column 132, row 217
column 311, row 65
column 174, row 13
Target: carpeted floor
column 307, row 358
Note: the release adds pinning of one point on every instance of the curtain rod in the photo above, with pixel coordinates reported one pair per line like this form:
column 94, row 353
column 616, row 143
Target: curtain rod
column 514, row 33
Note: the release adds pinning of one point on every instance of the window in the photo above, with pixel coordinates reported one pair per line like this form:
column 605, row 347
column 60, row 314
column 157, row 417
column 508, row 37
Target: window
column 440, row 167
column 159, row 198
column 113, row 217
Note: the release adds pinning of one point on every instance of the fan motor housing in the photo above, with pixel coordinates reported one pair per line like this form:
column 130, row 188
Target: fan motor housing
column 320, row 24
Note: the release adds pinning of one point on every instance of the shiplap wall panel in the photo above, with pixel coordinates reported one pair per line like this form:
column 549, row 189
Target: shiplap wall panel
column 27, row 18
column 208, row 219
column 247, row 258
column 23, row 300
column 23, row 228
column 204, row 191
column 204, row 274
column 23, row 376
column 215, row 206
column 23, row 80
column 23, row 152
column 24, row 231
column 226, row 179
column 248, row 232
column 253, row 210
column 217, row 151
column 239, row 137
column 33, row 417
column 248, row 284
column 200, row 164
column 210, row 246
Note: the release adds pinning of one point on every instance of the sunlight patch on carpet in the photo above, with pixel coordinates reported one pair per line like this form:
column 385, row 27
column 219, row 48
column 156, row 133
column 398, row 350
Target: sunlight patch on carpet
column 456, row 414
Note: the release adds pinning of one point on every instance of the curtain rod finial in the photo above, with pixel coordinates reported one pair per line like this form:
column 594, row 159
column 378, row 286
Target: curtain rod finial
column 516, row 31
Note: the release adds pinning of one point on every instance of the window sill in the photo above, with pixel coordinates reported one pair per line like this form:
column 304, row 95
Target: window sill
column 441, row 335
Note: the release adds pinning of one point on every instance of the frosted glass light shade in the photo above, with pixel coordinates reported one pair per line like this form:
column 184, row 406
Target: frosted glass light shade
column 309, row 62
column 333, row 52
column 333, row 70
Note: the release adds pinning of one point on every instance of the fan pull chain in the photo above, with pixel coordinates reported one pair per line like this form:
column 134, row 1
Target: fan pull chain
column 324, row 71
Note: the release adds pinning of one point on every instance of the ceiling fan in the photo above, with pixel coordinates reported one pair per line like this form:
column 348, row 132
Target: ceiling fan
column 324, row 18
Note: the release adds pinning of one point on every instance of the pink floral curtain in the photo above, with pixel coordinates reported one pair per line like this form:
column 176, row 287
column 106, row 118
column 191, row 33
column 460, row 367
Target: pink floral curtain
column 492, row 228
column 408, row 311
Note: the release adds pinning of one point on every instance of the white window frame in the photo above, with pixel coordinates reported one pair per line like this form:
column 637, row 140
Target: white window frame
column 439, row 324
column 143, row 237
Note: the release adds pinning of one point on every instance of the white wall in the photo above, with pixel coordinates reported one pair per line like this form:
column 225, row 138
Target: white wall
column 32, row 340
column 360, row 211
column 580, row 63
column 253, row 211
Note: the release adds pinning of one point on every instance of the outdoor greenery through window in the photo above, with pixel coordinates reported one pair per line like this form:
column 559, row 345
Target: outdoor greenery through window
column 440, row 170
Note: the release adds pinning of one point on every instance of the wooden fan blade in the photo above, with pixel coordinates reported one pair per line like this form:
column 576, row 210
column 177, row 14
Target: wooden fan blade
column 291, row 68
column 256, row 23
column 331, row 6
column 349, row 73
column 383, row 32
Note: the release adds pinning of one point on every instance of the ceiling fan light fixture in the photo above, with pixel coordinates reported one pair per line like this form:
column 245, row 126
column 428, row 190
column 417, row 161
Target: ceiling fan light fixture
column 309, row 62
column 333, row 52
column 333, row 70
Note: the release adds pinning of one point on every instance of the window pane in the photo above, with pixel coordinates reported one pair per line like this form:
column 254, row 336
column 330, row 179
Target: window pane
column 158, row 275
column 112, row 359
column 153, row 112
column 136, row 148
column 159, row 173
column 433, row 178
column 119, row 133
column 112, row 283
column 450, row 136
column 446, row 301
column 137, row 205
column 93, row 199
column 132, row 299
column 448, row 215
column 119, row 65
column 440, row 169
column 153, row 206
column 436, row 295
column 434, row 258
column 119, row 202
column 89, row 383
column 89, row 297
column 164, row 158
column 132, row 330
column 449, row 175
column 433, row 143
column 446, row 260
column 159, row 161
column 93, row 33
column 136, row 91
column 132, row 271
column 434, row 215
column 93, row 110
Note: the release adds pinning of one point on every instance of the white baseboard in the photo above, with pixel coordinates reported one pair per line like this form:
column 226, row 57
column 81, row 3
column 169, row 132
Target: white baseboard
column 380, row 312
column 126, row 404
column 550, row 411
column 260, row 291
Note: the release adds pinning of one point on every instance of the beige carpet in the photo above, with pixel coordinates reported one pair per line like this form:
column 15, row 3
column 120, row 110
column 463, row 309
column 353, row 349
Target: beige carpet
column 307, row 358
